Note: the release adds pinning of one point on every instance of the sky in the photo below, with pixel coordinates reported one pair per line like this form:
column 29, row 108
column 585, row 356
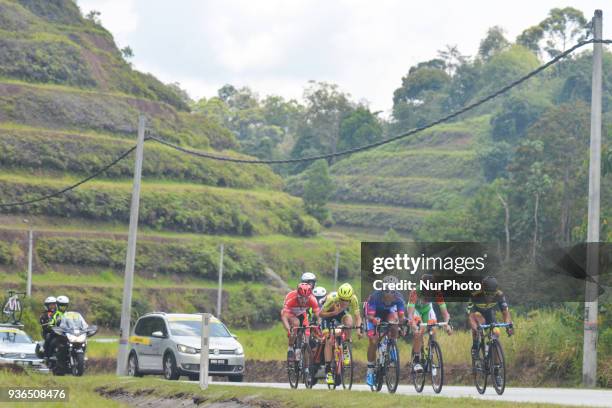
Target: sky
column 277, row 46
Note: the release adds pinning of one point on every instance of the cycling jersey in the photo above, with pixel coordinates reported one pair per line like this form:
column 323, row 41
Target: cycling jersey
column 376, row 305
column 423, row 305
column 296, row 305
column 483, row 301
column 351, row 306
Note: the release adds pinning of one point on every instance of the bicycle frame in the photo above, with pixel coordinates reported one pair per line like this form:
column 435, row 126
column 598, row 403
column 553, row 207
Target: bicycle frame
column 488, row 341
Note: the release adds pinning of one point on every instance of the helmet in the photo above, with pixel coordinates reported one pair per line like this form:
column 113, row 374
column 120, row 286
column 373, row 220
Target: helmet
column 489, row 284
column 49, row 301
column 62, row 302
column 304, row 290
column 345, row 291
column 389, row 279
column 319, row 291
column 309, row 278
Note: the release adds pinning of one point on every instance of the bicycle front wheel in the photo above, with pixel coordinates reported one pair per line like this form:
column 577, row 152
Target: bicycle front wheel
column 347, row 365
column 392, row 367
column 480, row 369
column 436, row 367
column 498, row 367
column 418, row 379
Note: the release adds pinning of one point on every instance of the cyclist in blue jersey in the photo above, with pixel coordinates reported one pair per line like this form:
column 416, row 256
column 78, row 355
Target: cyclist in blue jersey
column 382, row 305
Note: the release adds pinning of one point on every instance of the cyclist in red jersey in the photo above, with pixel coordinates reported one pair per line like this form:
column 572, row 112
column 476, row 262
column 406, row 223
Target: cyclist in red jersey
column 294, row 313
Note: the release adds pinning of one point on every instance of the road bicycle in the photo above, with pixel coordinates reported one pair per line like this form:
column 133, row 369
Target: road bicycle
column 431, row 360
column 298, row 369
column 489, row 359
column 387, row 366
column 12, row 307
column 342, row 355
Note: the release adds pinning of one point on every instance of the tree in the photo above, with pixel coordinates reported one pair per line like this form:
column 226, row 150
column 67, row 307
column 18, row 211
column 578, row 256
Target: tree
column 563, row 26
column 127, row 52
column 392, row 236
column 359, row 128
column 317, row 190
column 452, row 58
column 530, row 38
column 493, row 43
column 319, row 131
column 94, row 16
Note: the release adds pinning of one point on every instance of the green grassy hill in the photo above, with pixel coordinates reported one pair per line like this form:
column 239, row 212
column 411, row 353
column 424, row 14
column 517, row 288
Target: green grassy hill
column 69, row 104
column 399, row 184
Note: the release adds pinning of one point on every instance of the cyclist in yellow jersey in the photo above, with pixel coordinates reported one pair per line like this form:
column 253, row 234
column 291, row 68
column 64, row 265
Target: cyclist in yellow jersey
column 339, row 307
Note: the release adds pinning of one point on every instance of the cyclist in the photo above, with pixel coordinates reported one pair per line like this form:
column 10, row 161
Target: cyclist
column 320, row 293
column 294, row 313
column 45, row 319
column 382, row 305
column 420, row 307
column 481, row 308
column 338, row 308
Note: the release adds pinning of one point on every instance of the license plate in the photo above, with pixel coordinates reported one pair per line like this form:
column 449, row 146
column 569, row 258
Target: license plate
column 220, row 362
column 22, row 362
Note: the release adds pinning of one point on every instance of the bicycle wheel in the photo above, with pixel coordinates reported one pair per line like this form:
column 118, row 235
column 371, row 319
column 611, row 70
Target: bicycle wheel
column 347, row 369
column 17, row 311
column 392, row 367
column 307, row 367
column 418, row 379
column 436, row 367
column 380, row 377
column 498, row 367
column 6, row 313
column 334, row 366
column 479, row 369
column 293, row 366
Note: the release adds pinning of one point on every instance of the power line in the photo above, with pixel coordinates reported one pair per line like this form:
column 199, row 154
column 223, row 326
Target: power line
column 317, row 157
column 392, row 139
column 73, row 186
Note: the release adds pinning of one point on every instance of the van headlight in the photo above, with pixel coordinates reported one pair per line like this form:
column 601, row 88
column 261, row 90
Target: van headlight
column 239, row 350
column 186, row 349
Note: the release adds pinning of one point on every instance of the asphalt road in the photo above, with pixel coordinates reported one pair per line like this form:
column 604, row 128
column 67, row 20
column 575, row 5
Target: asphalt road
column 563, row 396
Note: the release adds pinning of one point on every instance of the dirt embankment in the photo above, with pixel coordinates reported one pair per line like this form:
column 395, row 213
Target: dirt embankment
column 147, row 398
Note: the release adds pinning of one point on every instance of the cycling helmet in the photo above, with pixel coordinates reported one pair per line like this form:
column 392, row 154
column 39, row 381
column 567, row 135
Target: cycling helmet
column 345, row 292
column 62, row 302
column 50, row 300
column 319, row 292
column 309, row 278
column 389, row 279
column 489, row 284
column 304, row 290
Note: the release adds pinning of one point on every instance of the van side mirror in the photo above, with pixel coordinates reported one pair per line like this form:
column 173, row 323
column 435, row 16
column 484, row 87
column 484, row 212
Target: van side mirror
column 158, row 334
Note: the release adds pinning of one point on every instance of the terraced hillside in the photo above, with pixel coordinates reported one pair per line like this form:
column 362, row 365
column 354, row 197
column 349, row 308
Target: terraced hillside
column 69, row 104
column 399, row 184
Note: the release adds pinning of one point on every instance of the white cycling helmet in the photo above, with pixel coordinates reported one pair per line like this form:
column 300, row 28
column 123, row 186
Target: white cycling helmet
column 310, row 278
column 49, row 300
column 63, row 300
column 319, row 291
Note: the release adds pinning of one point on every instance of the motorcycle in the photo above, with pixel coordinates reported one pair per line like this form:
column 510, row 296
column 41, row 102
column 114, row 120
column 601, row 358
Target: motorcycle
column 70, row 345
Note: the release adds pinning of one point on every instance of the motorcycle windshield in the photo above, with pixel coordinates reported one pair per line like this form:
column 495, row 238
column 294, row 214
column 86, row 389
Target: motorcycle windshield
column 72, row 321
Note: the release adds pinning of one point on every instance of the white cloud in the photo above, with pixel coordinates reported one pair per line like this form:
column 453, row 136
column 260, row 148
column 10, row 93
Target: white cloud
column 276, row 46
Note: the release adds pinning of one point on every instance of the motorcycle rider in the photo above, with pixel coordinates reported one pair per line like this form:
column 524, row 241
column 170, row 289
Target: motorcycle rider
column 62, row 306
column 45, row 319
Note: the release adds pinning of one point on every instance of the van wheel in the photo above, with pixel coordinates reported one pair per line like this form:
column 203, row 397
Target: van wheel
column 236, row 378
column 133, row 366
column 194, row 377
column 170, row 369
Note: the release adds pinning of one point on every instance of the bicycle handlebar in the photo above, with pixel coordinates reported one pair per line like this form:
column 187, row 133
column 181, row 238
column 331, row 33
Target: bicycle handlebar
column 491, row 325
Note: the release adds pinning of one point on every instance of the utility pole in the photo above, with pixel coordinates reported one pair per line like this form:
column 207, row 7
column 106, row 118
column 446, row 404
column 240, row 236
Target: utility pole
column 204, row 349
column 220, row 290
column 589, row 354
column 30, row 250
column 336, row 269
column 130, row 258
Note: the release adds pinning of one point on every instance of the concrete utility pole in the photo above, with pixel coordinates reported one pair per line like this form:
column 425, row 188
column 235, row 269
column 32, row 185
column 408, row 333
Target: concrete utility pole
column 220, row 290
column 336, row 269
column 30, row 253
column 204, row 349
column 130, row 258
column 589, row 354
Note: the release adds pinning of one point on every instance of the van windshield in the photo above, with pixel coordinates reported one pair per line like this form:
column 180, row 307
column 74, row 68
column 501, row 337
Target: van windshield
column 194, row 328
